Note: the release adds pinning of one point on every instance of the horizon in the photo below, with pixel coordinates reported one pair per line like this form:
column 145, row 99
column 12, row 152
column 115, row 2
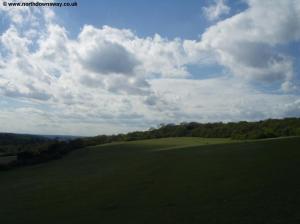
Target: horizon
column 147, row 129
column 113, row 67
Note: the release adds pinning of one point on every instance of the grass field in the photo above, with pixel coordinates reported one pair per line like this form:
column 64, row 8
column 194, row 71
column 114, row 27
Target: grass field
column 176, row 180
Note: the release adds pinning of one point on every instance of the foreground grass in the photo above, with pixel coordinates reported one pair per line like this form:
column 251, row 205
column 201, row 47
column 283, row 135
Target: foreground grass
column 178, row 180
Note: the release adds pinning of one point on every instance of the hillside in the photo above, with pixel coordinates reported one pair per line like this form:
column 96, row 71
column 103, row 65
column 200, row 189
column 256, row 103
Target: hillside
column 178, row 180
column 269, row 128
column 24, row 150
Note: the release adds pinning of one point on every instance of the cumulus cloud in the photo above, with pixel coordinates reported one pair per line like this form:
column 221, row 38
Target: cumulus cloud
column 121, row 51
column 108, row 80
column 108, row 58
column 103, row 56
column 20, row 76
column 216, row 10
column 121, row 62
column 123, row 85
column 246, row 42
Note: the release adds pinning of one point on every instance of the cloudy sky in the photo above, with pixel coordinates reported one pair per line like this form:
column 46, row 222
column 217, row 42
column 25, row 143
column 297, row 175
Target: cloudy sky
column 114, row 66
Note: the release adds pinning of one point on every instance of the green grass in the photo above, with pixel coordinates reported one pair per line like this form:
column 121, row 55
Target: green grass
column 166, row 143
column 177, row 180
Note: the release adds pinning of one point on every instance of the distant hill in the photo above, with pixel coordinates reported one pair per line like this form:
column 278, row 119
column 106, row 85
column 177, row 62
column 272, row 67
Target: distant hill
column 11, row 138
column 33, row 149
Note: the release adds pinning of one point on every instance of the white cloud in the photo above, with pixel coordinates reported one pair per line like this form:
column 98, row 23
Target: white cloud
column 17, row 15
column 191, row 100
column 100, row 55
column 216, row 10
column 246, row 43
column 121, row 62
column 109, row 80
column 14, row 43
column 151, row 55
column 223, row 99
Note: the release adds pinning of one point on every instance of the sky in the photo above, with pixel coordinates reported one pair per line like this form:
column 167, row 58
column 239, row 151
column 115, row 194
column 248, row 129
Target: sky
column 114, row 66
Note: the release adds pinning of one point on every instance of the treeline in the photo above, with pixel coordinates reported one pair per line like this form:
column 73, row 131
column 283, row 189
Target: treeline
column 20, row 139
column 11, row 144
column 270, row 128
column 39, row 152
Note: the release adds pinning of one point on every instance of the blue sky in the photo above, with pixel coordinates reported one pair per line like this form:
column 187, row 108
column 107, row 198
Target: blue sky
column 117, row 66
column 169, row 18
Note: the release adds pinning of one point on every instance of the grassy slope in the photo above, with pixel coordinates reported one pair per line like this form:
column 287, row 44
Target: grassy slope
column 253, row 182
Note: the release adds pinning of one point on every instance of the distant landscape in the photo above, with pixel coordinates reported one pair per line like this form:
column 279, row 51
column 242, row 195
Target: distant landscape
column 150, row 112
column 157, row 180
column 22, row 150
column 176, row 173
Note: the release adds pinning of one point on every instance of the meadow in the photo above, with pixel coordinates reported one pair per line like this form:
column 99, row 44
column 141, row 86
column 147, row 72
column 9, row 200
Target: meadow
column 168, row 180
